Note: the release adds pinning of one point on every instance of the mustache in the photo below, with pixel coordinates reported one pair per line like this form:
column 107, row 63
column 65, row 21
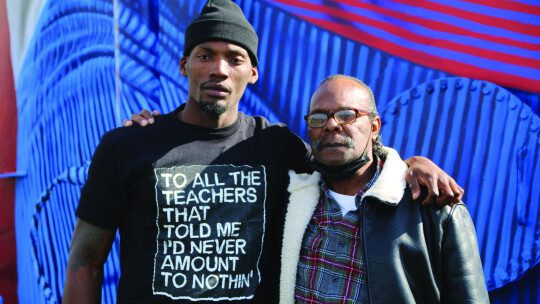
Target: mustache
column 213, row 85
column 338, row 140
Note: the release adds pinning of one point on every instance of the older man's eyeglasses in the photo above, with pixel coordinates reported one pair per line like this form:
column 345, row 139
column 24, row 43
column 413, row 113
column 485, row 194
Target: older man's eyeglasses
column 343, row 117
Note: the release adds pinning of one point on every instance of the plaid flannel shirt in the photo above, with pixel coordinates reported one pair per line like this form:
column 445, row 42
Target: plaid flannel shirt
column 331, row 266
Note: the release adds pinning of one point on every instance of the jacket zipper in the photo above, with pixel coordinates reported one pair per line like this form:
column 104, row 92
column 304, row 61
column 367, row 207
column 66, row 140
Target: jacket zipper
column 366, row 264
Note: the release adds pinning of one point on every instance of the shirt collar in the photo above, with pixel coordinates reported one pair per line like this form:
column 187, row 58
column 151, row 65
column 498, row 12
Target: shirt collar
column 380, row 163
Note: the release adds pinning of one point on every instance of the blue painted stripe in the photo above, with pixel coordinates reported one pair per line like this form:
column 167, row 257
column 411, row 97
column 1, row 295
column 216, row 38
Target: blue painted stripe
column 426, row 32
column 13, row 174
column 492, row 11
column 426, row 14
column 477, row 61
column 465, row 23
column 529, row 72
column 529, row 2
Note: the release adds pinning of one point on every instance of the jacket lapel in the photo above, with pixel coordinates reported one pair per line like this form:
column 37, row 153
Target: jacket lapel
column 304, row 190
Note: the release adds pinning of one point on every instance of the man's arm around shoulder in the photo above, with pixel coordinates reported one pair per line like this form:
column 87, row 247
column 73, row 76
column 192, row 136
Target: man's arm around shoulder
column 90, row 246
column 463, row 275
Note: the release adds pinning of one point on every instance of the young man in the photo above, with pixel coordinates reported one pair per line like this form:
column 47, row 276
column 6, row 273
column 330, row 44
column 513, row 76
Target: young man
column 200, row 206
column 353, row 233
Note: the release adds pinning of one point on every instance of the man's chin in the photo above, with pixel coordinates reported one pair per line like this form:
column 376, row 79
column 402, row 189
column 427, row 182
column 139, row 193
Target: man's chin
column 334, row 162
column 212, row 107
column 333, row 156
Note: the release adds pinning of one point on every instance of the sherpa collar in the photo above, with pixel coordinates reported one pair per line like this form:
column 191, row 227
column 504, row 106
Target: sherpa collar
column 388, row 188
column 390, row 185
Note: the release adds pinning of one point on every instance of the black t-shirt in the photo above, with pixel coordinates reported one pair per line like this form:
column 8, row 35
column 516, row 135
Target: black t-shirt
column 200, row 211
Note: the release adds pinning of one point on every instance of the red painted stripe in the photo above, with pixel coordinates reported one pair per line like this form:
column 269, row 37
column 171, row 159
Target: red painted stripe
column 447, row 65
column 441, row 26
column 514, row 6
column 511, row 25
column 8, row 151
column 416, row 38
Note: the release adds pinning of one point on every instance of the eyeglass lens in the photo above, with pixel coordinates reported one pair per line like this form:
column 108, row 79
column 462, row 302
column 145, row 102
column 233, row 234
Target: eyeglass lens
column 341, row 117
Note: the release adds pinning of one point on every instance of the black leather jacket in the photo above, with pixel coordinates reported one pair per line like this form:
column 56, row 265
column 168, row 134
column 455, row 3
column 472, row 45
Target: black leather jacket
column 432, row 258
column 413, row 254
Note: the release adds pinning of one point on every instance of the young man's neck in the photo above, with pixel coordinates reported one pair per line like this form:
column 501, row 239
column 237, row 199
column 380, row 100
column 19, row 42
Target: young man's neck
column 193, row 115
column 355, row 183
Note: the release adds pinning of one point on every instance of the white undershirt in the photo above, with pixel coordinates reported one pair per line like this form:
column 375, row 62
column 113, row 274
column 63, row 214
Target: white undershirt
column 346, row 202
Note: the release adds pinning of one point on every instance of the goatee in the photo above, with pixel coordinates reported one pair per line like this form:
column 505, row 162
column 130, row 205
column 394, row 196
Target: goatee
column 212, row 107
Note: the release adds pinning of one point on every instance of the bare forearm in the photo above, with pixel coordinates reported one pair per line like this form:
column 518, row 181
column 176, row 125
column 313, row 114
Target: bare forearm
column 90, row 247
column 83, row 283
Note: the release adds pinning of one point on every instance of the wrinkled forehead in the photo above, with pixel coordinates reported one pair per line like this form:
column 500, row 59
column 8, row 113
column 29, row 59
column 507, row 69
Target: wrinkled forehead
column 339, row 94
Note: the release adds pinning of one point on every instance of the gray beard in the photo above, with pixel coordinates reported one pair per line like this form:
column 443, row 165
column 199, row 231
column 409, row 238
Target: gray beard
column 212, row 107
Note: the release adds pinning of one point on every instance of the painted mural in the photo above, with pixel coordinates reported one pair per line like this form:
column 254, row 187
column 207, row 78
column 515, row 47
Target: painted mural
column 457, row 81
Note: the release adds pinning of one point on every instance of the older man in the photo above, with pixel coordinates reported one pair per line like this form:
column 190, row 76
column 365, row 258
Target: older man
column 353, row 233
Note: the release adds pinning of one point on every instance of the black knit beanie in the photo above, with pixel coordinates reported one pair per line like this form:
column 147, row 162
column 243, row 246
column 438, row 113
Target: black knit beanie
column 222, row 20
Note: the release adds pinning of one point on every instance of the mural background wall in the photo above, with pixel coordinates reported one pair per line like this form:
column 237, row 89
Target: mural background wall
column 456, row 81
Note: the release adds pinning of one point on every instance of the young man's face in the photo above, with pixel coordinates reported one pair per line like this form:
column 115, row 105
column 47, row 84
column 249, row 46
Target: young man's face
column 218, row 73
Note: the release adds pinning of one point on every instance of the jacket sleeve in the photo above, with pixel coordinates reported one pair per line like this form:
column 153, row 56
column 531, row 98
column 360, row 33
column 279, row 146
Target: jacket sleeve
column 463, row 277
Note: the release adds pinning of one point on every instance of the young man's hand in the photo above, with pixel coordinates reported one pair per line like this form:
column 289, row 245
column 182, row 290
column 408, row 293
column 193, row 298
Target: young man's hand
column 443, row 189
